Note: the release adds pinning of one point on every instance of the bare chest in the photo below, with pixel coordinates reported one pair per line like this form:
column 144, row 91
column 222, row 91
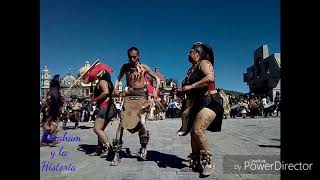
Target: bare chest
column 135, row 76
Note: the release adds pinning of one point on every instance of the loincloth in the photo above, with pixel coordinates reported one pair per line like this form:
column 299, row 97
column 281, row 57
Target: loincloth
column 212, row 102
column 186, row 108
column 134, row 106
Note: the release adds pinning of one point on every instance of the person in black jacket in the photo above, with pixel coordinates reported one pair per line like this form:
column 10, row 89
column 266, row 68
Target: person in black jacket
column 52, row 111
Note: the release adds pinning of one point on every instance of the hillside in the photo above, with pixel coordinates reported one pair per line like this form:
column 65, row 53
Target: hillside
column 233, row 93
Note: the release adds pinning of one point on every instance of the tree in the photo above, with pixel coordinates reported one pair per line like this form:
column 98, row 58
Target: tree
column 233, row 93
column 168, row 81
column 174, row 80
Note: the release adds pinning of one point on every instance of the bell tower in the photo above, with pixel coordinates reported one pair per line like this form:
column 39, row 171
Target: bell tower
column 45, row 81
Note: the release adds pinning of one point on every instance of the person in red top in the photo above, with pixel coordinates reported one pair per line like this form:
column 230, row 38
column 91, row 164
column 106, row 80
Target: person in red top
column 102, row 96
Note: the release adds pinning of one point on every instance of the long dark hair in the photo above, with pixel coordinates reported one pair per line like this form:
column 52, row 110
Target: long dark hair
column 55, row 82
column 133, row 49
column 55, row 101
column 205, row 51
column 106, row 76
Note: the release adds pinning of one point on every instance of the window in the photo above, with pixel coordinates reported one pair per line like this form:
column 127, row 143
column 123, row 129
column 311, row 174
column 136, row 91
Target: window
column 267, row 69
column 259, row 69
column 250, row 75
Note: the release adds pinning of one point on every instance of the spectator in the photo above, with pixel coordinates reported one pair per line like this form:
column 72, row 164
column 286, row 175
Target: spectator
column 277, row 100
column 265, row 106
column 118, row 109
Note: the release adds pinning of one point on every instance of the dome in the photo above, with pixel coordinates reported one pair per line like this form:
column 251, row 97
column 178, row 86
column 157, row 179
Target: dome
column 120, row 88
column 68, row 80
column 84, row 68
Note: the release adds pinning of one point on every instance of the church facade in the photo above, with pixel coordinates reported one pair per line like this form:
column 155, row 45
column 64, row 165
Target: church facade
column 79, row 89
column 82, row 90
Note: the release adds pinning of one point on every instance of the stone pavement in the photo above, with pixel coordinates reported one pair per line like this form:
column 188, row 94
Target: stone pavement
column 167, row 151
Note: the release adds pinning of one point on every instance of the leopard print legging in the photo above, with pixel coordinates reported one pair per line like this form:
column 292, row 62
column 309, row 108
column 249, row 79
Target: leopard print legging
column 199, row 140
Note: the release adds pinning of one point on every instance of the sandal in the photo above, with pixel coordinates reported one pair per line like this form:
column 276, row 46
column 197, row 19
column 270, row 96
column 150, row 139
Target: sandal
column 105, row 151
column 142, row 154
column 42, row 144
column 53, row 144
column 117, row 145
column 206, row 163
column 194, row 164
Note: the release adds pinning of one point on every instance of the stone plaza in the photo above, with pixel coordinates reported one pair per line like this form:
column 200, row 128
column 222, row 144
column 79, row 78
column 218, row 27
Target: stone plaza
column 167, row 152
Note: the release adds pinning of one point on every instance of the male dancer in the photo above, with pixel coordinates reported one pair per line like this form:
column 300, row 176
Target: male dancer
column 136, row 105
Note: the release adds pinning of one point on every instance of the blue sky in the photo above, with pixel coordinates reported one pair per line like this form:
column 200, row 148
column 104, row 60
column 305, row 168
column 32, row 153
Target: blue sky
column 72, row 31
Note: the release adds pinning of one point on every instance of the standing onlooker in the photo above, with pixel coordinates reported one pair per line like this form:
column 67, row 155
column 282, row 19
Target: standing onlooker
column 172, row 108
column 75, row 115
column 277, row 101
column 118, row 107
column 265, row 106
column 244, row 108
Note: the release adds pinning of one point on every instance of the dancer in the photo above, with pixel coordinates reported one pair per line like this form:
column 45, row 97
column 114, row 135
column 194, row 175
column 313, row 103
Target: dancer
column 51, row 113
column 136, row 105
column 102, row 96
column 205, row 107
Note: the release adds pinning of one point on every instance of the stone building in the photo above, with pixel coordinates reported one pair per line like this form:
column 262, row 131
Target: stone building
column 80, row 89
column 263, row 77
column 166, row 85
column 45, row 82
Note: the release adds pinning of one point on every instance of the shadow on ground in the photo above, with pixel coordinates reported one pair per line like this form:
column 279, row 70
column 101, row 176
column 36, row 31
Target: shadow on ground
column 79, row 127
column 85, row 127
column 270, row 146
column 87, row 148
column 163, row 160
column 90, row 149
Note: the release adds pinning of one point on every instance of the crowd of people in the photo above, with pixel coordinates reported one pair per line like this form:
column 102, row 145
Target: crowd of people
column 200, row 105
column 252, row 106
column 82, row 110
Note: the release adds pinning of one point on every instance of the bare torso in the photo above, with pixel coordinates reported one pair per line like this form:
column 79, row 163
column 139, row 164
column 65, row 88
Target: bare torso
column 135, row 75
